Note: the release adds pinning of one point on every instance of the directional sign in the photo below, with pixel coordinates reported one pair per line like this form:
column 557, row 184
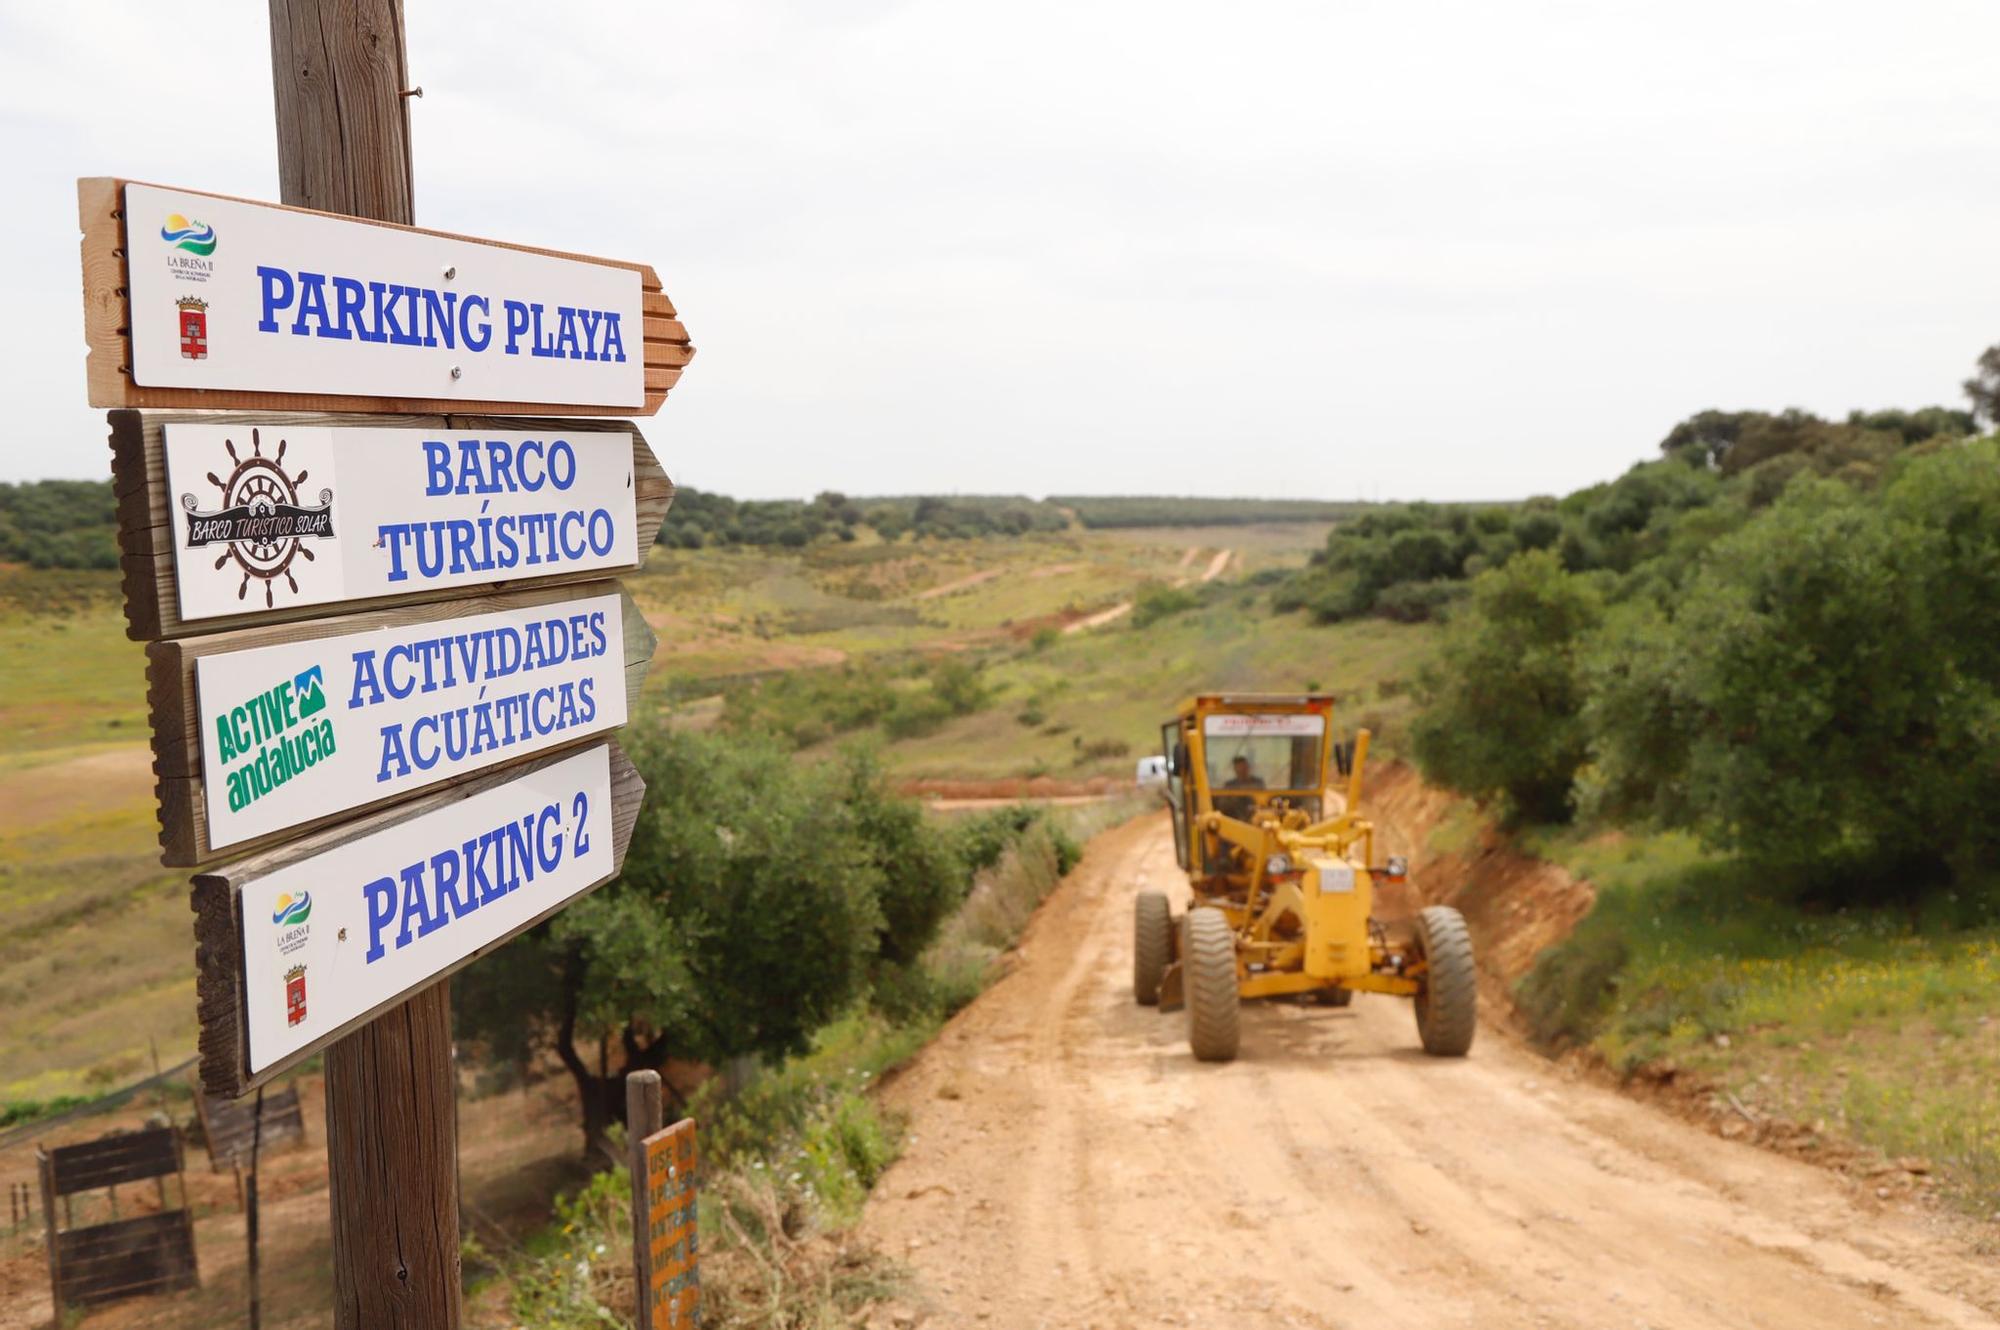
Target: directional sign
column 264, row 730
column 673, row 1239
column 298, row 946
column 196, row 299
column 379, row 533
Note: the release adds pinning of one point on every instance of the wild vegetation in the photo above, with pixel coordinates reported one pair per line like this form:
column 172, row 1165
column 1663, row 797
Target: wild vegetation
column 760, row 900
column 790, row 1156
column 59, row 524
column 1751, row 691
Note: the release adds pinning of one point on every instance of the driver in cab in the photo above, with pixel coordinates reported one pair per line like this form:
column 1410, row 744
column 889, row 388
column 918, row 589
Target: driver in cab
column 1242, row 777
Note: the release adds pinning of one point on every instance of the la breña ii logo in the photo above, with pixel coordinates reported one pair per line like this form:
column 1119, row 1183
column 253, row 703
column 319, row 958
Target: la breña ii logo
column 261, row 519
column 192, row 236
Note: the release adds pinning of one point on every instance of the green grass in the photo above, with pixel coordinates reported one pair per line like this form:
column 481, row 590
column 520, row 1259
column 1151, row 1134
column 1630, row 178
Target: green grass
column 1122, row 682
column 68, row 677
column 1877, row 1024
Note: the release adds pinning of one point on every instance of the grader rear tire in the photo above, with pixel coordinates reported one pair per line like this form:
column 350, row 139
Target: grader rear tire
column 1209, row 966
column 1448, row 1005
column 1152, row 944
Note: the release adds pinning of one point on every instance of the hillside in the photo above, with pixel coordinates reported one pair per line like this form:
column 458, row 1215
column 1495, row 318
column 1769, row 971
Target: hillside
column 83, row 896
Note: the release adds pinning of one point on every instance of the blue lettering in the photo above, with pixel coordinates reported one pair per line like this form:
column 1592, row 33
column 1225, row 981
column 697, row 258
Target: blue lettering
column 562, row 458
column 548, row 849
column 348, row 298
column 312, row 304
column 381, row 895
column 277, row 295
column 437, row 466
column 364, row 681
column 438, row 309
column 476, row 336
column 517, row 323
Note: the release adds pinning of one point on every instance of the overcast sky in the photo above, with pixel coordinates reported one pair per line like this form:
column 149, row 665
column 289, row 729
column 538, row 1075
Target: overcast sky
column 1386, row 250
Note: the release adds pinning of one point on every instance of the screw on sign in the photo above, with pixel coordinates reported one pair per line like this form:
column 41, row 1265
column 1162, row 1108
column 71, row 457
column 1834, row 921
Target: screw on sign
column 672, row 1240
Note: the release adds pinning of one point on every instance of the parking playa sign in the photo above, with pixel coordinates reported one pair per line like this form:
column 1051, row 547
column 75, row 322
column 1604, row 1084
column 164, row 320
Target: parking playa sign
column 227, row 293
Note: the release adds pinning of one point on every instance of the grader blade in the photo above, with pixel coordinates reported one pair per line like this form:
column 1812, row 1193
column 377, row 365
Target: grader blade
column 1171, row 997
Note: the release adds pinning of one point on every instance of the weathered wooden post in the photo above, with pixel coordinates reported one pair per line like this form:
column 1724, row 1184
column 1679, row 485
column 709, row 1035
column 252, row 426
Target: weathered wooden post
column 338, row 72
column 250, row 1215
column 643, row 1116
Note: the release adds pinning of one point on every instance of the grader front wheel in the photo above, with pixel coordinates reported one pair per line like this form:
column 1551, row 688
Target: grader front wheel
column 1209, row 963
column 1152, row 944
column 1447, row 1004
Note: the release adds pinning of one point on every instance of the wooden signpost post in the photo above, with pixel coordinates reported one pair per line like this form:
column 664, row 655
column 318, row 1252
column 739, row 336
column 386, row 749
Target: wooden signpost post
column 385, row 661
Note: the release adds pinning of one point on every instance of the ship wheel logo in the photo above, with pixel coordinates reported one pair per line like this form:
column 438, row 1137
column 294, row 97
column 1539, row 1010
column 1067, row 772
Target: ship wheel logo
column 261, row 519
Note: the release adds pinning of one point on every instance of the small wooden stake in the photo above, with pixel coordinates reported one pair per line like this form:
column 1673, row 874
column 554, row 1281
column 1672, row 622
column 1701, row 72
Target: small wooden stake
column 250, row 1208
column 643, row 1114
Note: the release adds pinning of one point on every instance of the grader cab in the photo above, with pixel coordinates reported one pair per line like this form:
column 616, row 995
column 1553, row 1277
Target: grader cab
column 1282, row 873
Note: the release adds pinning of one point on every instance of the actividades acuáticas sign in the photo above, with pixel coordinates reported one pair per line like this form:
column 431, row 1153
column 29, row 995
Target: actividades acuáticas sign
column 331, row 937
column 268, row 515
column 229, row 294
column 293, row 732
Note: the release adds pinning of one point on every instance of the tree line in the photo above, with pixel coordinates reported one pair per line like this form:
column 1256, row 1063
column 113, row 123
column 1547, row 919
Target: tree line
column 1779, row 635
column 59, row 524
column 1414, row 561
column 73, row 523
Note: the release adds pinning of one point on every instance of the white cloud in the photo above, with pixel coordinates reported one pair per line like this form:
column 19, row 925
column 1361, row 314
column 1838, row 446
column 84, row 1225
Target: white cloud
column 1393, row 249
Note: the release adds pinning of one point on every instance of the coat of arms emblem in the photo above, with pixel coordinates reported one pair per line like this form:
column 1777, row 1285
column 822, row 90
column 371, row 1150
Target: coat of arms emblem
column 194, row 327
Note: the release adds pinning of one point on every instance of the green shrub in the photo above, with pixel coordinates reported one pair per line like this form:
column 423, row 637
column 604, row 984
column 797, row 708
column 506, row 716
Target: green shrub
column 1418, row 602
column 1157, row 601
column 1568, row 993
column 960, row 685
column 1500, row 705
column 922, row 876
column 1826, row 694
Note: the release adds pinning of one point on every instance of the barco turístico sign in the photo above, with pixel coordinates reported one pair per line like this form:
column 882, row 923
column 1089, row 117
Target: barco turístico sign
column 272, row 513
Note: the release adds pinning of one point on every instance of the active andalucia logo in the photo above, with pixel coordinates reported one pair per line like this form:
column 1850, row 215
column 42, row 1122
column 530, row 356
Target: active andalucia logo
column 292, row 909
column 192, row 236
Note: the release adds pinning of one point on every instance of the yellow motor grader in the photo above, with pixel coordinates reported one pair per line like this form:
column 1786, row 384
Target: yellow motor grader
column 1283, row 872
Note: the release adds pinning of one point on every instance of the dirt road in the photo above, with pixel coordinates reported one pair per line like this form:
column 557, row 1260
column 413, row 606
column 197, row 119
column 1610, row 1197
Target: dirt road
column 1070, row 1166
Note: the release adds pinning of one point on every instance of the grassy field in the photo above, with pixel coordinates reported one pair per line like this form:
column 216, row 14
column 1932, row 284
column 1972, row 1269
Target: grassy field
column 1875, row 1026
column 95, row 955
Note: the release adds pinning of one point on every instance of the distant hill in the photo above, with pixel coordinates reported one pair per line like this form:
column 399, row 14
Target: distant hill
column 1145, row 510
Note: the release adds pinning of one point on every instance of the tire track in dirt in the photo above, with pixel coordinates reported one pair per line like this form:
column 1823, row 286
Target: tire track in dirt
column 1071, row 1166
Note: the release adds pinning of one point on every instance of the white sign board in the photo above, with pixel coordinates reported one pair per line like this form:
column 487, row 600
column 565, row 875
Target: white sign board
column 329, row 938
column 231, row 294
column 295, row 731
column 1238, row 725
column 268, row 514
